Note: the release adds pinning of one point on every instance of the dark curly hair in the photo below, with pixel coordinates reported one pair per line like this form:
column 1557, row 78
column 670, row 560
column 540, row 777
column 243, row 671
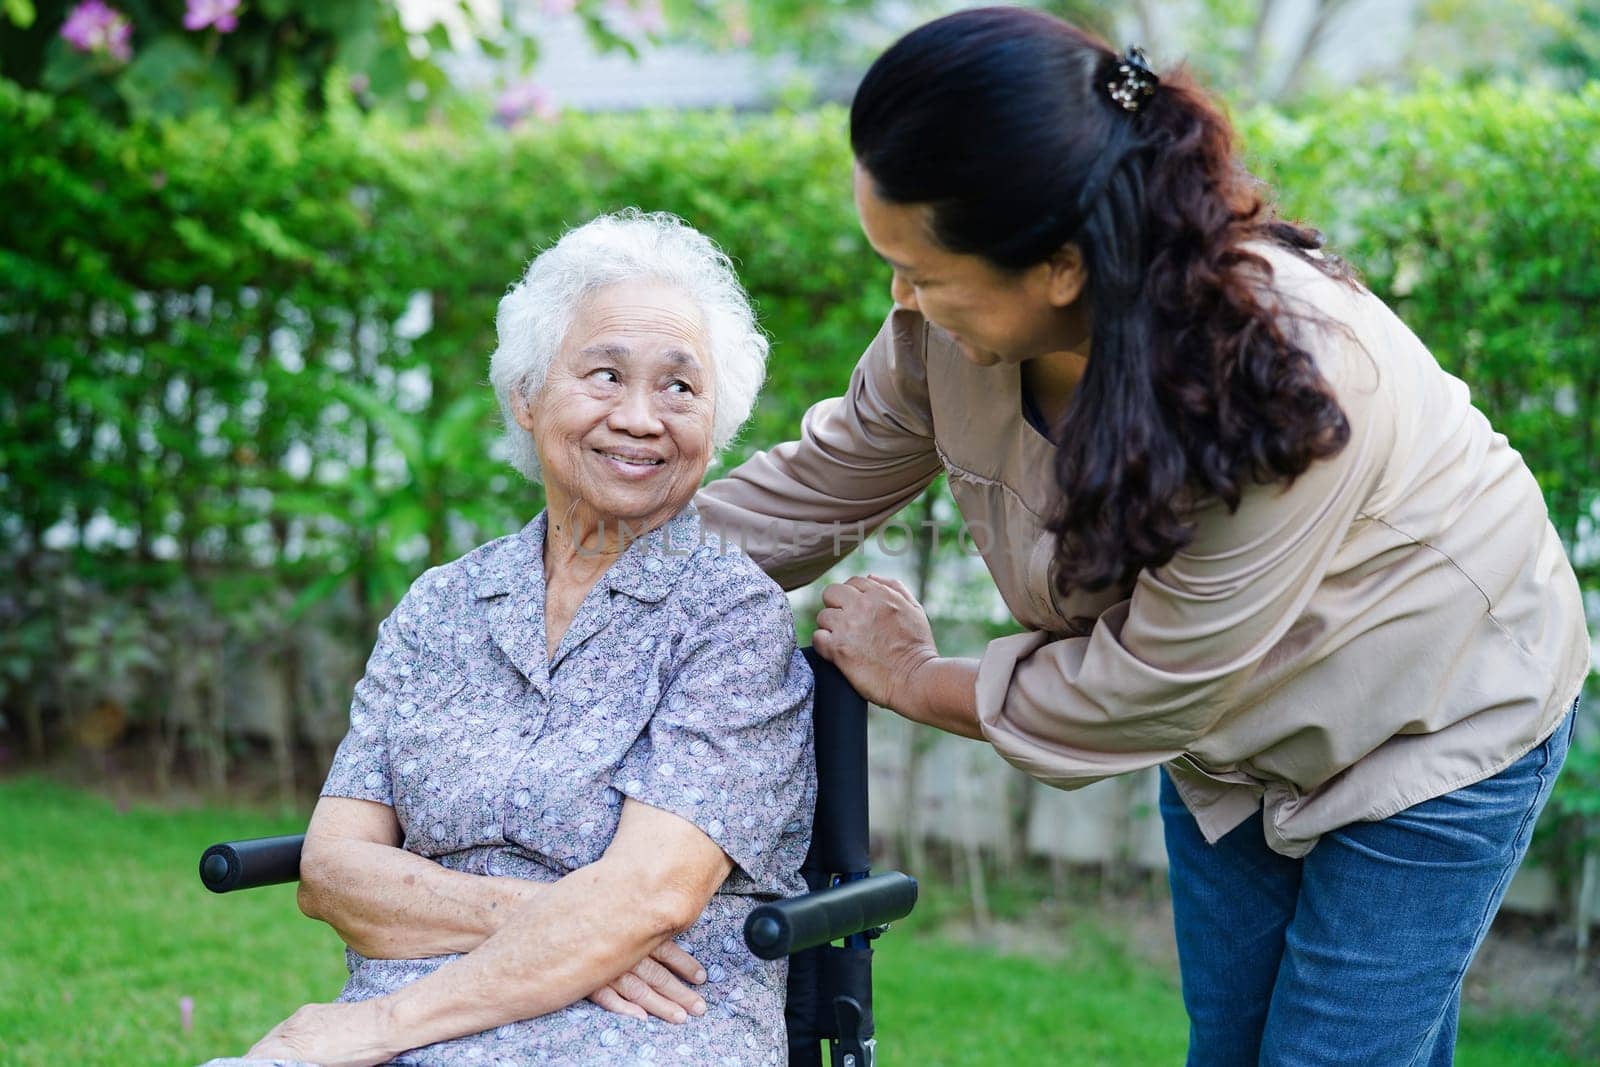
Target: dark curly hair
column 997, row 119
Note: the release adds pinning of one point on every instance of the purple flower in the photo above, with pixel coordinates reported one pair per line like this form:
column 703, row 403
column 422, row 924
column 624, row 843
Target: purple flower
column 739, row 27
column 186, row 1013
column 557, row 8
column 519, row 101
column 95, row 28
column 651, row 19
column 632, row 17
column 223, row 14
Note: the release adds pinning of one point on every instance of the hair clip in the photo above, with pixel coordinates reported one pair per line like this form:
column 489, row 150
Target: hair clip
column 1134, row 82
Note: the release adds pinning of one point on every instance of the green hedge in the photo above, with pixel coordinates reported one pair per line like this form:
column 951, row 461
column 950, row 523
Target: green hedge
column 186, row 306
column 208, row 344
column 1476, row 214
column 191, row 306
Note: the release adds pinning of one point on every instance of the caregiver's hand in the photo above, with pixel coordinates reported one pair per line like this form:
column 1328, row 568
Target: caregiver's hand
column 874, row 631
column 653, row 987
column 331, row 1035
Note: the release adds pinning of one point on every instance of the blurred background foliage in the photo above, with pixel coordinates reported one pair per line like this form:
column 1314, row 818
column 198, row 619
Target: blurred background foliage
column 143, row 57
column 250, row 256
column 168, row 57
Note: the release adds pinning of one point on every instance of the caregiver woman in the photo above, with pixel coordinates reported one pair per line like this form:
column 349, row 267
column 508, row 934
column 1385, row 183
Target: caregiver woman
column 1254, row 533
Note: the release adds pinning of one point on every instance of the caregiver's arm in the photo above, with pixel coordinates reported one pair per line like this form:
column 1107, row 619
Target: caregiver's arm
column 651, row 884
column 859, row 459
column 1159, row 669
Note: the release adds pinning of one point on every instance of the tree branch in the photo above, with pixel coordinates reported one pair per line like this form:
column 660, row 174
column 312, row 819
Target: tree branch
column 1327, row 11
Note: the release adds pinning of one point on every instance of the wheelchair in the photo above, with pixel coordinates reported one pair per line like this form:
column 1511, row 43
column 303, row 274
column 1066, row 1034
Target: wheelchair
column 830, row 985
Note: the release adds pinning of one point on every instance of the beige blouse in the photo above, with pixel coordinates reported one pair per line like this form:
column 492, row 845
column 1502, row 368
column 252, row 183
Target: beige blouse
column 1398, row 623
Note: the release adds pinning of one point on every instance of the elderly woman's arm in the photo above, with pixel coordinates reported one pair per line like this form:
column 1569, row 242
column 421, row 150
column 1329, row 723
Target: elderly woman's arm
column 387, row 903
column 652, row 883
column 736, row 712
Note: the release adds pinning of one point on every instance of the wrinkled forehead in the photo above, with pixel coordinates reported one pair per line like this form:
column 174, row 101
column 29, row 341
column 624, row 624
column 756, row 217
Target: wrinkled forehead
column 660, row 351
column 640, row 319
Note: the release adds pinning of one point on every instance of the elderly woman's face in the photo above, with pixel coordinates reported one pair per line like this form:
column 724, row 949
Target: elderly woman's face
column 623, row 424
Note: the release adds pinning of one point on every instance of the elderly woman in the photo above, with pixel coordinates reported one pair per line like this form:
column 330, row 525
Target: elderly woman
column 579, row 742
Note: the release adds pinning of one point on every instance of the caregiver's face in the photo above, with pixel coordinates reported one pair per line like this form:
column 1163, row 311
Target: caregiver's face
column 995, row 316
column 623, row 423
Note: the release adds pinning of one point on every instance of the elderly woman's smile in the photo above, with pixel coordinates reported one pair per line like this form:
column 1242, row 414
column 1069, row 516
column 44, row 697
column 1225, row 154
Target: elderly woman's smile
column 623, row 423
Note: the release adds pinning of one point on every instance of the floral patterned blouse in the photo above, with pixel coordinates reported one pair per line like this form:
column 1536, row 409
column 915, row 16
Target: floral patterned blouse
column 677, row 683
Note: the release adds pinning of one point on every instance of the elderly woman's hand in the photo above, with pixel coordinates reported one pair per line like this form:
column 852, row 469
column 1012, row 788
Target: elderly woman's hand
column 655, row 986
column 331, row 1035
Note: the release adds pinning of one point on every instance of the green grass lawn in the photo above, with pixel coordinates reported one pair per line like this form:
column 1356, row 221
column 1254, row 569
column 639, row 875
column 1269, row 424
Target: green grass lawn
column 106, row 928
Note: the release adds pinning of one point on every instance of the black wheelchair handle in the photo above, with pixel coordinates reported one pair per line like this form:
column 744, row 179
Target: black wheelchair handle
column 247, row 864
column 783, row 927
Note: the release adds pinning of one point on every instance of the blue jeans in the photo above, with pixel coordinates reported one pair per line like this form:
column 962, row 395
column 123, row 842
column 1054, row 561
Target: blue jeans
column 1355, row 953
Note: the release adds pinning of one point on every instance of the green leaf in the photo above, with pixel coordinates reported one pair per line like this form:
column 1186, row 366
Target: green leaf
column 65, row 67
column 20, row 12
column 400, row 428
column 169, row 76
column 459, row 429
column 271, row 236
column 315, row 593
column 437, row 38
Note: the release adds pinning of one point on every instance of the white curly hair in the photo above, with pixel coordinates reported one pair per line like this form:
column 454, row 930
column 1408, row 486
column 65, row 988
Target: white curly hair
column 631, row 245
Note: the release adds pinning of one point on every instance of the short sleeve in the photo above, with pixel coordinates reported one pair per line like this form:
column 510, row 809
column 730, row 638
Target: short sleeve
column 729, row 746
column 361, row 765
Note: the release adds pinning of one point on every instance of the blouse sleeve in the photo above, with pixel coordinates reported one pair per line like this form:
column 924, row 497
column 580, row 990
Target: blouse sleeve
column 729, row 746
column 1161, row 668
column 859, row 459
column 361, row 765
